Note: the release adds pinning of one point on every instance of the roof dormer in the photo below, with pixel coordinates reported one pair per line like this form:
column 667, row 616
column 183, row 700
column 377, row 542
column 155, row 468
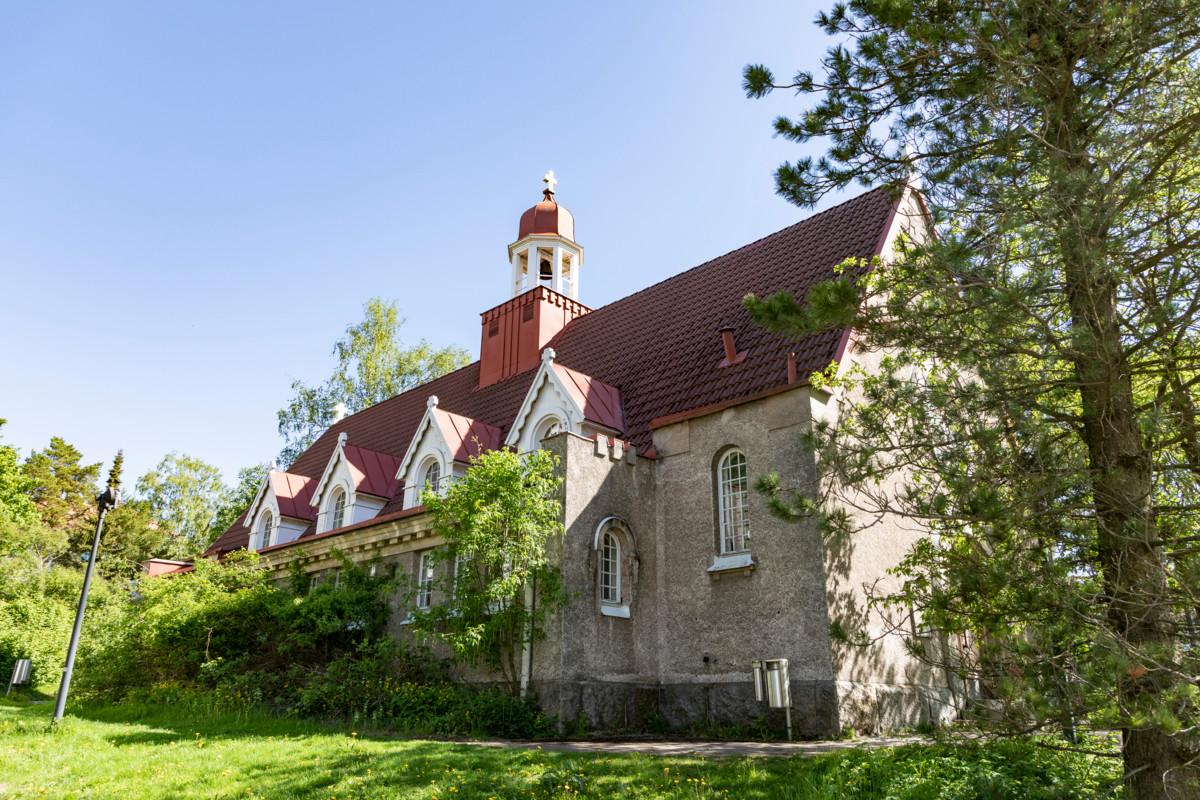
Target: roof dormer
column 564, row 399
column 280, row 511
column 441, row 449
column 355, row 485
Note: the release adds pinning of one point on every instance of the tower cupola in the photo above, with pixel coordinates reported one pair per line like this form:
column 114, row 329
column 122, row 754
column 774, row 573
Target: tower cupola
column 545, row 252
column 544, row 297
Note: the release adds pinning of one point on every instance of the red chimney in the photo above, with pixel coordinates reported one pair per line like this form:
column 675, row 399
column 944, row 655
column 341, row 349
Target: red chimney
column 732, row 356
column 515, row 332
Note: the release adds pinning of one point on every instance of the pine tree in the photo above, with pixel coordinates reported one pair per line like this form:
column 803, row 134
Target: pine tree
column 1041, row 358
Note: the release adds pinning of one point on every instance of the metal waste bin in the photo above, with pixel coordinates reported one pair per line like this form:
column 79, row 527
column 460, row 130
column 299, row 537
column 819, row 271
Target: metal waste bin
column 770, row 676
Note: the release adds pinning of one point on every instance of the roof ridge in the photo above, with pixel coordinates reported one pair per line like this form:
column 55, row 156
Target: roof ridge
column 746, row 246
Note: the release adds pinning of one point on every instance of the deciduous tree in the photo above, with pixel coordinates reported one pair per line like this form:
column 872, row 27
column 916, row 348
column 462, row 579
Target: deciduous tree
column 372, row 365
column 495, row 581
column 184, row 494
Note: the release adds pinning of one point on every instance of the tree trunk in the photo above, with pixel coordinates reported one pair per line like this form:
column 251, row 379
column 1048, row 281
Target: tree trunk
column 1134, row 572
column 1120, row 465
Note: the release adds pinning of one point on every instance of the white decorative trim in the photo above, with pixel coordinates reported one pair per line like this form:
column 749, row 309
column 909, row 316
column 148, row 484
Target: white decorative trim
column 336, row 456
column 604, row 523
column 248, row 520
column 571, row 419
column 424, row 425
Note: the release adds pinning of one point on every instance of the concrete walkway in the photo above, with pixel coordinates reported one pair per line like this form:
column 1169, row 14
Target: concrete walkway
column 706, row 749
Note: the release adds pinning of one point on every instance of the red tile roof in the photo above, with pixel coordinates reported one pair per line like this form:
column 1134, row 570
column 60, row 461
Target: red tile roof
column 660, row 347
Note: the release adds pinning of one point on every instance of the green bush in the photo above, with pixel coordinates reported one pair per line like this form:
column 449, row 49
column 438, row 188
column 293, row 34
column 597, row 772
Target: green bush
column 1017, row 769
column 37, row 610
column 226, row 631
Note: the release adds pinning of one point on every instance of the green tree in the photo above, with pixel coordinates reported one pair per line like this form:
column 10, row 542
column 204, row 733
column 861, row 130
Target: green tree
column 238, row 498
column 15, row 501
column 131, row 536
column 495, row 582
column 1038, row 383
column 184, row 494
column 64, row 491
column 372, row 365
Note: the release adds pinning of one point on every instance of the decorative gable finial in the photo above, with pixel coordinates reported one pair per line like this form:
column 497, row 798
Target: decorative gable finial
column 432, row 401
column 550, row 182
column 342, row 437
column 548, row 355
column 274, row 466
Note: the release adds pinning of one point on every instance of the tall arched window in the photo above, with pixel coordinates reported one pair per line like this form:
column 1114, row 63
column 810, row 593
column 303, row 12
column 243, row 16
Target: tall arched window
column 610, row 568
column 337, row 508
column 733, row 494
column 433, row 476
column 264, row 530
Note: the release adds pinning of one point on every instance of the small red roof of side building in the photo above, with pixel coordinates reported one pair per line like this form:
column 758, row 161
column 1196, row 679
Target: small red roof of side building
column 660, row 348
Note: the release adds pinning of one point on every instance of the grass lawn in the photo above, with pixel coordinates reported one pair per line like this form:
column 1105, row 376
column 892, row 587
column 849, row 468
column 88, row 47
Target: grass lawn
column 132, row 751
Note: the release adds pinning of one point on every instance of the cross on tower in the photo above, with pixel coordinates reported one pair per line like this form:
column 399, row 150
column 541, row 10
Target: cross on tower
column 550, row 181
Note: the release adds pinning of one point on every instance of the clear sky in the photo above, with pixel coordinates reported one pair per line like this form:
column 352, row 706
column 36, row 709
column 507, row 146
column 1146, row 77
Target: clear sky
column 197, row 198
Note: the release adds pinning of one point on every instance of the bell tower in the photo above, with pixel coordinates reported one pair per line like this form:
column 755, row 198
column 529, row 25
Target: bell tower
column 544, row 291
column 545, row 252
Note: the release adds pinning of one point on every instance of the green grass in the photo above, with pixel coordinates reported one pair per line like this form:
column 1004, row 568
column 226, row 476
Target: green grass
column 135, row 751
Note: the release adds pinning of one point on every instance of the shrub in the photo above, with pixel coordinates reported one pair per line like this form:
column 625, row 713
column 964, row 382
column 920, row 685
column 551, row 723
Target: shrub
column 225, row 630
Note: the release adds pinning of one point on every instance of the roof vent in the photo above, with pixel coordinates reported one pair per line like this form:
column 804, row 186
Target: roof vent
column 732, row 356
column 791, row 368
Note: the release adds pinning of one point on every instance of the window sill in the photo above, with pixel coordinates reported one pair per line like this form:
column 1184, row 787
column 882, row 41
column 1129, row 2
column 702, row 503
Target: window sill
column 621, row 612
column 732, row 562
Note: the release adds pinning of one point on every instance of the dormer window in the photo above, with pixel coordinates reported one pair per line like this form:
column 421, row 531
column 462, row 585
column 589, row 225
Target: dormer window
column 433, row 476
column 337, row 508
column 266, row 522
column 548, row 427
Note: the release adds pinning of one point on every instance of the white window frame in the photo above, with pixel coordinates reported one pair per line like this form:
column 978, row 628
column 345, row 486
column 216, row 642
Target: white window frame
column 424, row 581
column 332, row 511
column 548, row 426
column 265, row 523
column 733, row 500
column 610, row 568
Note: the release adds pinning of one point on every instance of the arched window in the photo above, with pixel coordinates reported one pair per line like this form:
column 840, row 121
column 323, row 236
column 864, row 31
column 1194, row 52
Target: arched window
column 733, row 494
column 545, row 429
column 616, row 567
column 610, row 568
column 433, row 476
column 424, row 580
column 264, row 530
column 337, row 508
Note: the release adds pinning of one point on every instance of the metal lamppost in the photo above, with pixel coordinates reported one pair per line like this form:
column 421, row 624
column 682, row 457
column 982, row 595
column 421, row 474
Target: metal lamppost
column 107, row 500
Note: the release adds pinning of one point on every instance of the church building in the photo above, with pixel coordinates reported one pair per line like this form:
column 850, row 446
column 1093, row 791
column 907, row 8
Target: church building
column 663, row 408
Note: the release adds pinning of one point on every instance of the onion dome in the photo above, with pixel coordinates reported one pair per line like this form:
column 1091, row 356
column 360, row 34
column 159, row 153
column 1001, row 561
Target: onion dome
column 547, row 218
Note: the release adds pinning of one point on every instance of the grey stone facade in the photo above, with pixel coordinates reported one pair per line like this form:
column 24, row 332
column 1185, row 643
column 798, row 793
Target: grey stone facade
column 684, row 652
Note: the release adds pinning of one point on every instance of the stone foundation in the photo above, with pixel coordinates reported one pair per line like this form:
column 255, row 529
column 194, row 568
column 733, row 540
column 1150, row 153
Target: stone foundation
column 682, row 706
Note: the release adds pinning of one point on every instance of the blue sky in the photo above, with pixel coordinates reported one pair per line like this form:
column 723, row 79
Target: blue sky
column 197, row 198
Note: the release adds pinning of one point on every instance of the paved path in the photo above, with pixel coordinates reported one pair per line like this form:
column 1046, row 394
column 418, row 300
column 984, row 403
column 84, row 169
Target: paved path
column 707, row 749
